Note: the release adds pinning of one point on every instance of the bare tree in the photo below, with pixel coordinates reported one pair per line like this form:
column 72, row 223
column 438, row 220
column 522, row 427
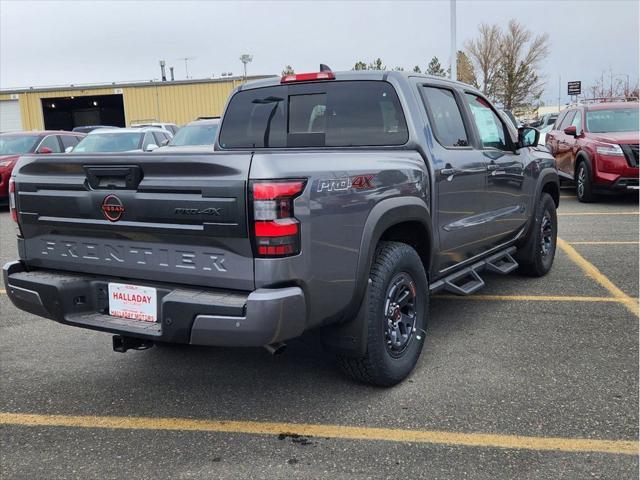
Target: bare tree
column 619, row 86
column 484, row 51
column 518, row 85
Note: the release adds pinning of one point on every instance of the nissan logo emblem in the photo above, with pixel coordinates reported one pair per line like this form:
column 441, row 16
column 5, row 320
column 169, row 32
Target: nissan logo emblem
column 112, row 208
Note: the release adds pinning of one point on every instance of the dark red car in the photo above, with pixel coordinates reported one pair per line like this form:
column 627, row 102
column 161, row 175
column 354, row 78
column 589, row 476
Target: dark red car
column 14, row 144
column 596, row 146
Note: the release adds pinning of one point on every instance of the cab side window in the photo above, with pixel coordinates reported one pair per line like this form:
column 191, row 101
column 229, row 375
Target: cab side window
column 148, row 140
column 566, row 121
column 493, row 133
column 445, row 116
column 51, row 142
column 577, row 121
column 559, row 120
column 160, row 138
column 69, row 141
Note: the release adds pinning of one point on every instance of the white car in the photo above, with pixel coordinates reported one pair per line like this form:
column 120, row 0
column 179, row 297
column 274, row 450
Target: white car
column 103, row 140
column 543, row 134
column 200, row 133
column 172, row 128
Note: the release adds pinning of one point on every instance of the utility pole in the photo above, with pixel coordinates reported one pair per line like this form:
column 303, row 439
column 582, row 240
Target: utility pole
column 245, row 58
column 559, row 90
column 186, row 65
column 453, row 60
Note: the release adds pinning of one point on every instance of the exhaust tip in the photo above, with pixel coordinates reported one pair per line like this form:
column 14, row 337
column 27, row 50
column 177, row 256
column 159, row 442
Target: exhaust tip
column 276, row 348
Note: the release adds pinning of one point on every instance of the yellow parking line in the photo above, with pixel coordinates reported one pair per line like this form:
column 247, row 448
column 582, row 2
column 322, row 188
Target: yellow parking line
column 487, row 440
column 577, row 214
column 533, row 298
column 605, row 243
column 598, row 276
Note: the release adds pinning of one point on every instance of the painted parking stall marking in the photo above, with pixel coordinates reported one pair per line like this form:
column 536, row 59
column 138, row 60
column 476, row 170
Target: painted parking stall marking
column 472, row 439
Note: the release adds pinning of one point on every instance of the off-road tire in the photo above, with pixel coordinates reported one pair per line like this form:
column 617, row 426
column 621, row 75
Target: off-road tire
column 379, row 366
column 536, row 255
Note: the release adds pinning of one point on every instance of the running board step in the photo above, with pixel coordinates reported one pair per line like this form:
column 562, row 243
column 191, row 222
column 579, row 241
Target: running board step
column 465, row 282
column 468, row 280
column 502, row 263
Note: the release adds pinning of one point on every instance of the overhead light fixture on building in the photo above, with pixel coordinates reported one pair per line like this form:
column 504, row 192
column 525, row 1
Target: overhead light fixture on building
column 95, row 104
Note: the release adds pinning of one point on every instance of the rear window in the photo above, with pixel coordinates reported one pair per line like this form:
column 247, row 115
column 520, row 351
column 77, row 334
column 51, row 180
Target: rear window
column 327, row 114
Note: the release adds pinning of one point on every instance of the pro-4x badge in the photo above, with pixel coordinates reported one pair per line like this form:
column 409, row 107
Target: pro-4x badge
column 359, row 182
column 198, row 211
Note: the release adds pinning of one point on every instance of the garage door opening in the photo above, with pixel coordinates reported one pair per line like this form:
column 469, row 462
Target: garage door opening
column 65, row 113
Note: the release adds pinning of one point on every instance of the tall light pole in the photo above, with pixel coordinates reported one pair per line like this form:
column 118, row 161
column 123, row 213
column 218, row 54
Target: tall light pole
column 186, row 65
column 453, row 60
column 245, row 58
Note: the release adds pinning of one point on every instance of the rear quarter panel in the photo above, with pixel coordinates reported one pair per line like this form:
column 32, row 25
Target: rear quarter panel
column 333, row 213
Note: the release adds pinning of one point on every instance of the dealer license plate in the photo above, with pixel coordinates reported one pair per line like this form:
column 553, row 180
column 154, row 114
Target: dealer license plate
column 133, row 302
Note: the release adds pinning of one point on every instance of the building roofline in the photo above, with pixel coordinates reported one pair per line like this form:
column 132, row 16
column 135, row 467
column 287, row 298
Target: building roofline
column 135, row 83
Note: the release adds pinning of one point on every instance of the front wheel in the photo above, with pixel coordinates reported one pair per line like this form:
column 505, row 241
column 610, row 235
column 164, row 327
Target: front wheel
column 396, row 311
column 584, row 186
column 536, row 255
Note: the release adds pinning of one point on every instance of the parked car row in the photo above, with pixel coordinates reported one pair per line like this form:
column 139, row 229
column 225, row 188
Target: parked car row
column 596, row 147
column 14, row 144
column 140, row 137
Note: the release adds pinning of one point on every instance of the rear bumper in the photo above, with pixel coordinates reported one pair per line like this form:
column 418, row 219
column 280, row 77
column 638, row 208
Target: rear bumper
column 185, row 315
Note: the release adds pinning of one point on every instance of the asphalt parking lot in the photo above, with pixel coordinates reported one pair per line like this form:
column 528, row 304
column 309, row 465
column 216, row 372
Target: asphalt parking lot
column 529, row 379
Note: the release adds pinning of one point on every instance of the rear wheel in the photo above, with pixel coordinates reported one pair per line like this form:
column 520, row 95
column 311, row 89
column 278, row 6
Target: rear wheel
column 397, row 306
column 584, row 186
column 536, row 255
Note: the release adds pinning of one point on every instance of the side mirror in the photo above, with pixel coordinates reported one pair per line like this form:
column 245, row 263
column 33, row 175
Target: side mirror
column 528, row 137
column 165, row 142
column 571, row 130
column 69, row 149
column 151, row 147
column 44, row 150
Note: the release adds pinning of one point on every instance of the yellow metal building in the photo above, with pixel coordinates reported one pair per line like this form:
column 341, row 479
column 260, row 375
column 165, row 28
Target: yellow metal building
column 114, row 104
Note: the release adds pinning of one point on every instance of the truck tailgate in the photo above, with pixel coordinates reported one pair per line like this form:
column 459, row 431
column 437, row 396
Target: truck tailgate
column 178, row 218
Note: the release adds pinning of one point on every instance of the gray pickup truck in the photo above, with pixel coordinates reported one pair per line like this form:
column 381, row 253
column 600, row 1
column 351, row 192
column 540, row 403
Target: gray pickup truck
column 332, row 201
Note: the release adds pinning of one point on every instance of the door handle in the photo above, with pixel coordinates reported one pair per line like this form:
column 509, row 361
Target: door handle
column 493, row 166
column 445, row 172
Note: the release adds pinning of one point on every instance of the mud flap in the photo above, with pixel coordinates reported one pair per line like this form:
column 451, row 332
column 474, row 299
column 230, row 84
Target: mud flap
column 349, row 338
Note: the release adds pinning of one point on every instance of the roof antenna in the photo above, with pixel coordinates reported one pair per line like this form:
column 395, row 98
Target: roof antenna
column 324, row 68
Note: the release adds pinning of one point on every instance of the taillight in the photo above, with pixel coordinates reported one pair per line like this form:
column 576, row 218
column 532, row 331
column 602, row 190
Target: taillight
column 12, row 199
column 276, row 231
column 307, row 77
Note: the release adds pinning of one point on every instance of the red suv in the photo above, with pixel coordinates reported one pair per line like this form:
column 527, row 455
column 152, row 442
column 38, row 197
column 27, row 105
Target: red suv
column 14, row 144
column 596, row 146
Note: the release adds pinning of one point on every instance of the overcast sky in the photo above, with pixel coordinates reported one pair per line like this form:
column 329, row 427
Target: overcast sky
column 64, row 42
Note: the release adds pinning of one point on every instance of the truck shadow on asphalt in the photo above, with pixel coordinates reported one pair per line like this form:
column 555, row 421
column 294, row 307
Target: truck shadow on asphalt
column 569, row 195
